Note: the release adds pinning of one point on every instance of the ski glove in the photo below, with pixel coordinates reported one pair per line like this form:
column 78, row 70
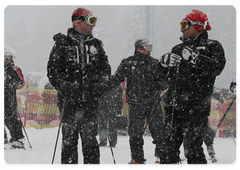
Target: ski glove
column 170, row 60
column 190, row 55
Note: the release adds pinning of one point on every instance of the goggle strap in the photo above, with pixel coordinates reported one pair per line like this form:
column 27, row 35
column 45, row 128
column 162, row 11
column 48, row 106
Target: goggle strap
column 78, row 18
column 85, row 18
column 196, row 23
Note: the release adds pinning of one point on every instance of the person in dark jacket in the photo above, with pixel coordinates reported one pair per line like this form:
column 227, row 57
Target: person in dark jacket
column 111, row 105
column 140, row 72
column 13, row 80
column 233, row 86
column 79, row 70
column 190, row 70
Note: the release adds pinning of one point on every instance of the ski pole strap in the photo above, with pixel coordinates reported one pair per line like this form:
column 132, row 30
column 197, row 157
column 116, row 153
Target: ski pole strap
column 225, row 114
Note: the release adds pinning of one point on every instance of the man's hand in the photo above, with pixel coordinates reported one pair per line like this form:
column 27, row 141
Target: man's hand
column 170, row 60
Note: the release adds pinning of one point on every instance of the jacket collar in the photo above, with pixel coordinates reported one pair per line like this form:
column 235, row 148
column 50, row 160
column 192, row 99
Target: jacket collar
column 77, row 36
column 142, row 57
column 198, row 38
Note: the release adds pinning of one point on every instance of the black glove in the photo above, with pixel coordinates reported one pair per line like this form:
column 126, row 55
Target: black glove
column 170, row 60
column 190, row 55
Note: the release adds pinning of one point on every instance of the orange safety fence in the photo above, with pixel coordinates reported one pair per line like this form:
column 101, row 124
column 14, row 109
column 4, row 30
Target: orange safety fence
column 38, row 108
column 229, row 122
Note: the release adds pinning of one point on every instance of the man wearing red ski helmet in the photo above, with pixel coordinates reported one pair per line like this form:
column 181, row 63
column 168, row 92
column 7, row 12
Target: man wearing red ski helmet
column 199, row 22
column 79, row 70
column 190, row 71
column 83, row 21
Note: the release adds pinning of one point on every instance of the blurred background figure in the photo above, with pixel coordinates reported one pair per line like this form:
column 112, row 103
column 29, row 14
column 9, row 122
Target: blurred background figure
column 111, row 105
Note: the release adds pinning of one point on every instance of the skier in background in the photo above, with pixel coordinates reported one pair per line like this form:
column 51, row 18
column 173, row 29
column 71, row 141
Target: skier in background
column 79, row 70
column 233, row 86
column 111, row 105
column 191, row 69
column 140, row 72
column 13, row 80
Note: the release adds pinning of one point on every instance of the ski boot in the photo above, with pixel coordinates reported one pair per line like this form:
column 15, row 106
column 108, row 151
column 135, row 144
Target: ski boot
column 211, row 153
column 132, row 161
column 19, row 144
column 158, row 161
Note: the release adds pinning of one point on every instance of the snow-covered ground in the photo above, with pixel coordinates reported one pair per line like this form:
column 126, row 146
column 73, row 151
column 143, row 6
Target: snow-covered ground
column 43, row 141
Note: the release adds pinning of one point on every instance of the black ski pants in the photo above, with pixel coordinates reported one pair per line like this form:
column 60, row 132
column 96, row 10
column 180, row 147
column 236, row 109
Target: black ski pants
column 13, row 124
column 84, row 123
column 184, row 125
column 137, row 116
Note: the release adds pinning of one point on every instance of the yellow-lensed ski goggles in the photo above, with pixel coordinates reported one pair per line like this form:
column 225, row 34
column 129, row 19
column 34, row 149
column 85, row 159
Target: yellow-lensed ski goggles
column 90, row 20
column 186, row 24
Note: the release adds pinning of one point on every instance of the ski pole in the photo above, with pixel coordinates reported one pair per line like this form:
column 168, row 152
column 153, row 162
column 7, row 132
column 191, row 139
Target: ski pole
column 158, row 92
column 225, row 114
column 59, row 127
column 110, row 142
column 30, row 146
column 114, row 161
column 228, row 126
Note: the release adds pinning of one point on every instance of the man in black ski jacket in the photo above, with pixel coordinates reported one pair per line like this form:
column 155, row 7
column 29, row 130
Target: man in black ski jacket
column 79, row 70
column 190, row 70
column 13, row 80
column 140, row 73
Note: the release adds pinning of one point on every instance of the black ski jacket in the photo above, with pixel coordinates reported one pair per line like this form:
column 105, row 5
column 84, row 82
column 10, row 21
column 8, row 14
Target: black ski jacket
column 13, row 80
column 140, row 73
column 78, row 68
column 190, row 84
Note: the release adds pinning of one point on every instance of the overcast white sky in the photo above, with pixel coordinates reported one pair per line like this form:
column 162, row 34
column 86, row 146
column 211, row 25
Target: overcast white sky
column 35, row 26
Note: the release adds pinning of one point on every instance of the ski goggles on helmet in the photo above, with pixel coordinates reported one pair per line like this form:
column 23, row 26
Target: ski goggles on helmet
column 147, row 47
column 90, row 20
column 7, row 57
column 186, row 24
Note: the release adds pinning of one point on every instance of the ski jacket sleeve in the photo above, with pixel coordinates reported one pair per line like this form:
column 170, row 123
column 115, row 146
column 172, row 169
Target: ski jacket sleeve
column 21, row 81
column 213, row 59
column 55, row 67
column 14, row 77
column 120, row 75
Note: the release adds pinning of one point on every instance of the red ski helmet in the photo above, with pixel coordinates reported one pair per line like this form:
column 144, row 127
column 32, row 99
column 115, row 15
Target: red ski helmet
column 79, row 12
column 198, row 16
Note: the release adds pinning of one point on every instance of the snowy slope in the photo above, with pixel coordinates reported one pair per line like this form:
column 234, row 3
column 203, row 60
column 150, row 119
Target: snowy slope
column 43, row 141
